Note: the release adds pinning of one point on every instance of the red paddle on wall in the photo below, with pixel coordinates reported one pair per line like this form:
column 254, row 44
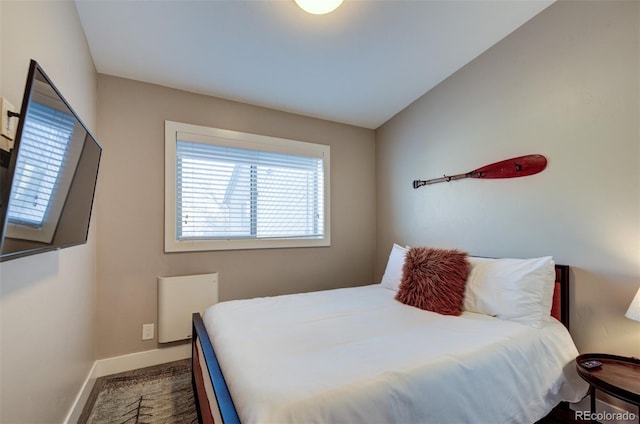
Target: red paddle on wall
column 509, row 168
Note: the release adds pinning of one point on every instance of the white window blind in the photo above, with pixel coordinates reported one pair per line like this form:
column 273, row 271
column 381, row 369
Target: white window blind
column 43, row 147
column 232, row 190
column 226, row 192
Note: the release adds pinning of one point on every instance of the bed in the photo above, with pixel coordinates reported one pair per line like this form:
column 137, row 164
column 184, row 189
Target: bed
column 358, row 355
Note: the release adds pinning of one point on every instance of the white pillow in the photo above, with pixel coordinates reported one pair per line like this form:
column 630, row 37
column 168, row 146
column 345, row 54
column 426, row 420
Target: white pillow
column 519, row 290
column 393, row 273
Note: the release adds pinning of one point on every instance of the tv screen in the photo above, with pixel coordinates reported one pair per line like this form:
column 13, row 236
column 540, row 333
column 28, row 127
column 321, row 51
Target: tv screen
column 49, row 179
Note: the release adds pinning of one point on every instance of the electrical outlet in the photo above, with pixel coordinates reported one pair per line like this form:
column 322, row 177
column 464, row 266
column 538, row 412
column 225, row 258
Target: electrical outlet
column 147, row 331
column 8, row 125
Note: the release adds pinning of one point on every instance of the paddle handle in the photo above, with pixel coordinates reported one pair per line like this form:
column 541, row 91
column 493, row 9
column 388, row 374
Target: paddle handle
column 443, row 179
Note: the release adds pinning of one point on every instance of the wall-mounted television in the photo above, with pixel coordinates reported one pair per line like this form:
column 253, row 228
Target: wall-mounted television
column 48, row 179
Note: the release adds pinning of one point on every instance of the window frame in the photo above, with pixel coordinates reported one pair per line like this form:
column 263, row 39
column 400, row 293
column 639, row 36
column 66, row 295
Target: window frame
column 243, row 140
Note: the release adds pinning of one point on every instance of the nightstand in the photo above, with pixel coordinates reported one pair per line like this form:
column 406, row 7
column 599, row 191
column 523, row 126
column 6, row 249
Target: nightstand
column 618, row 376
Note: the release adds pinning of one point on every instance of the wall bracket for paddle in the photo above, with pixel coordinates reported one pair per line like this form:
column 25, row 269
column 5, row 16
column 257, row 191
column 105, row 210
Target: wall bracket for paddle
column 520, row 166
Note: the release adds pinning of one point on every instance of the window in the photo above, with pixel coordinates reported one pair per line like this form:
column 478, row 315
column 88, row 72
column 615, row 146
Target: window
column 231, row 190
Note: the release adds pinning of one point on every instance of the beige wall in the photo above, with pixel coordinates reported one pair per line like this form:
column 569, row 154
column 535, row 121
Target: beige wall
column 564, row 85
column 47, row 300
column 131, row 215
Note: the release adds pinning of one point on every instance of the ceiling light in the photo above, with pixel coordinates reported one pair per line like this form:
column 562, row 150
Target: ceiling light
column 319, row 7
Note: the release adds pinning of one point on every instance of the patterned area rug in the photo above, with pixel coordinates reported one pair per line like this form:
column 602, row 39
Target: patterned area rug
column 154, row 395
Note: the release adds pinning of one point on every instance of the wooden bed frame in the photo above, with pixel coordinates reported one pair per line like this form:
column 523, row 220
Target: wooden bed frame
column 215, row 393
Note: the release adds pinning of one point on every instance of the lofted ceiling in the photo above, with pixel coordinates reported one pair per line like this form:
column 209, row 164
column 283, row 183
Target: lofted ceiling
column 359, row 65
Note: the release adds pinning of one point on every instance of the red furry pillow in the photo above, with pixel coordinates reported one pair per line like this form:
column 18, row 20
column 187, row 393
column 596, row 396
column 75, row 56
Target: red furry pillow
column 434, row 280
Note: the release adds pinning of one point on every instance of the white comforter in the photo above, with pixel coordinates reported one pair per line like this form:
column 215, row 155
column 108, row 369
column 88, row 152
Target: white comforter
column 356, row 355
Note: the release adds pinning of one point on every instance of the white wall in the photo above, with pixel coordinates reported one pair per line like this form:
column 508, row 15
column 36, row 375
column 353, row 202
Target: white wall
column 46, row 301
column 564, row 85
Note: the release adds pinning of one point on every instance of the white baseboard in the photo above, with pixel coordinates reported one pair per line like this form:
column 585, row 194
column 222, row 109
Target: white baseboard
column 607, row 413
column 123, row 363
column 78, row 404
column 137, row 360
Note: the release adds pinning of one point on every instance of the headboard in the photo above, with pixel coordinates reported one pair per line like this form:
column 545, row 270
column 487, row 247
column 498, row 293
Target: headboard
column 560, row 305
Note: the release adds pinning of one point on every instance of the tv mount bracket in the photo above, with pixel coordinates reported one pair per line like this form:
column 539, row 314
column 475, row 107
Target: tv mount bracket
column 6, row 142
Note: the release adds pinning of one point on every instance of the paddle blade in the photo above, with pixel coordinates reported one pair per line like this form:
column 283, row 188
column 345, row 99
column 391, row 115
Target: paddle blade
column 510, row 168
